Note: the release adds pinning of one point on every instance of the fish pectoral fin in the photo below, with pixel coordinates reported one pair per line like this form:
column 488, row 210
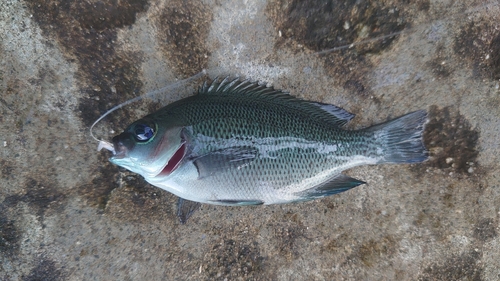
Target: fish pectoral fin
column 185, row 209
column 223, row 160
column 337, row 184
column 238, row 202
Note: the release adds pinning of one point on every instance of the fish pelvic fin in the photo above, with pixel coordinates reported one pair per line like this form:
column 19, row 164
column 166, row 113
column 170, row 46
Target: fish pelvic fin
column 402, row 138
column 337, row 184
column 185, row 209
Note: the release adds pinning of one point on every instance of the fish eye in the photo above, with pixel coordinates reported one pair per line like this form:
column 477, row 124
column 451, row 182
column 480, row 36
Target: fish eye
column 144, row 131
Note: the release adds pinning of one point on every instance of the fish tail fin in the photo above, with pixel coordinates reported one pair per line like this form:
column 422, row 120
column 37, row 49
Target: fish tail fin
column 401, row 138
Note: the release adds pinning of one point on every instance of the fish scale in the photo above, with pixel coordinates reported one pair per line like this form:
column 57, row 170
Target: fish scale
column 255, row 119
column 241, row 143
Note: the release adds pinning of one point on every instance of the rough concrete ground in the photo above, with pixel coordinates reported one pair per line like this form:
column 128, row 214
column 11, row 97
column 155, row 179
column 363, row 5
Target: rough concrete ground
column 66, row 213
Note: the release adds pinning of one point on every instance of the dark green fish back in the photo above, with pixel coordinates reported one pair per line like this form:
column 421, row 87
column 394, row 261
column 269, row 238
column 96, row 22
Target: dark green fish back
column 230, row 109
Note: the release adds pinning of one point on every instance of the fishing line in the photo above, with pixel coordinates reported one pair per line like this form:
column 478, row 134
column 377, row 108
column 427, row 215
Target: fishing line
column 109, row 146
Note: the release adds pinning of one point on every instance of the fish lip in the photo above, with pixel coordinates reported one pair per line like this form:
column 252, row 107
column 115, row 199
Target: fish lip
column 121, row 152
column 120, row 155
column 122, row 144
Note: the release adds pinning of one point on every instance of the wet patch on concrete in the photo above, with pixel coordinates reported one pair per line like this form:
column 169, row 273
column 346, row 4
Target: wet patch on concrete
column 462, row 267
column 184, row 27
column 478, row 47
column 45, row 270
column 439, row 64
column 328, row 24
column 449, row 195
column 337, row 244
column 366, row 253
column 433, row 222
column 324, row 25
column 41, row 196
column 105, row 180
column 87, row 33
column 233, row 260
column 373, row 250
column 485, row 230
column 138, row 201
column 494, row 62
column 10, row 236
column 458, row 203
column 451, row 141
column 439, row 69
column 287, row 235
column 121, row 83
column 6, row 169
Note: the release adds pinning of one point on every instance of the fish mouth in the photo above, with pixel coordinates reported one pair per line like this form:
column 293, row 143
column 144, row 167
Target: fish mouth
column 122, row 144
column 174, row 161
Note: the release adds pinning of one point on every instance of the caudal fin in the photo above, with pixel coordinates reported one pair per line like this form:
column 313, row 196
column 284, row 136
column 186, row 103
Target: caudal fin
column 401, row 138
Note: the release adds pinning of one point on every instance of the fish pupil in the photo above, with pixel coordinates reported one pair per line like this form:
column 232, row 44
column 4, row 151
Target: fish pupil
column 143, row 132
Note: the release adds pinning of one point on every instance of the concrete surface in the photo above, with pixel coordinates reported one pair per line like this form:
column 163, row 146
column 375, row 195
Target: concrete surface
column 66, row 213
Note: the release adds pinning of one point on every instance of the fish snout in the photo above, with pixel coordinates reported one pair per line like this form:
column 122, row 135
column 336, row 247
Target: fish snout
column 123, row 143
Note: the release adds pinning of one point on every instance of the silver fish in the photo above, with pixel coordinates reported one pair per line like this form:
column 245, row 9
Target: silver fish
column 241, row 143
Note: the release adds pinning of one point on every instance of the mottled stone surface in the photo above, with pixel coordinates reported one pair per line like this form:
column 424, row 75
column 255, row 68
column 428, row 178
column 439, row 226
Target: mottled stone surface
column 66, row 213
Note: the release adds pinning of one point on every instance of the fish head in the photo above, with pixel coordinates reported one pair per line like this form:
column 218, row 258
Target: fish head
column 149, row 149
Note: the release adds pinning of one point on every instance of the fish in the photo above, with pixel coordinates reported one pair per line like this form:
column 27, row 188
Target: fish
column 238, row 142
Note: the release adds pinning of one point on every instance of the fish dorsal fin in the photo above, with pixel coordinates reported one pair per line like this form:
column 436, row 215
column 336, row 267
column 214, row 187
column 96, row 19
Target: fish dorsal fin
column 228, row 86
column 336, row 111
column 331, row 114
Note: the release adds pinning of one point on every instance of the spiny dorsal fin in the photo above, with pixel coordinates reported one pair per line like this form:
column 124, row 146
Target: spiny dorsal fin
column 240, row 87
column 326, row 112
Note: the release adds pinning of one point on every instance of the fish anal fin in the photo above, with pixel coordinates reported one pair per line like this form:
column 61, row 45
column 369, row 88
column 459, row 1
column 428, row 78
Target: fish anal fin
column 337, row 184
column 223, row 160
column 238, row 202
column 185, row 209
